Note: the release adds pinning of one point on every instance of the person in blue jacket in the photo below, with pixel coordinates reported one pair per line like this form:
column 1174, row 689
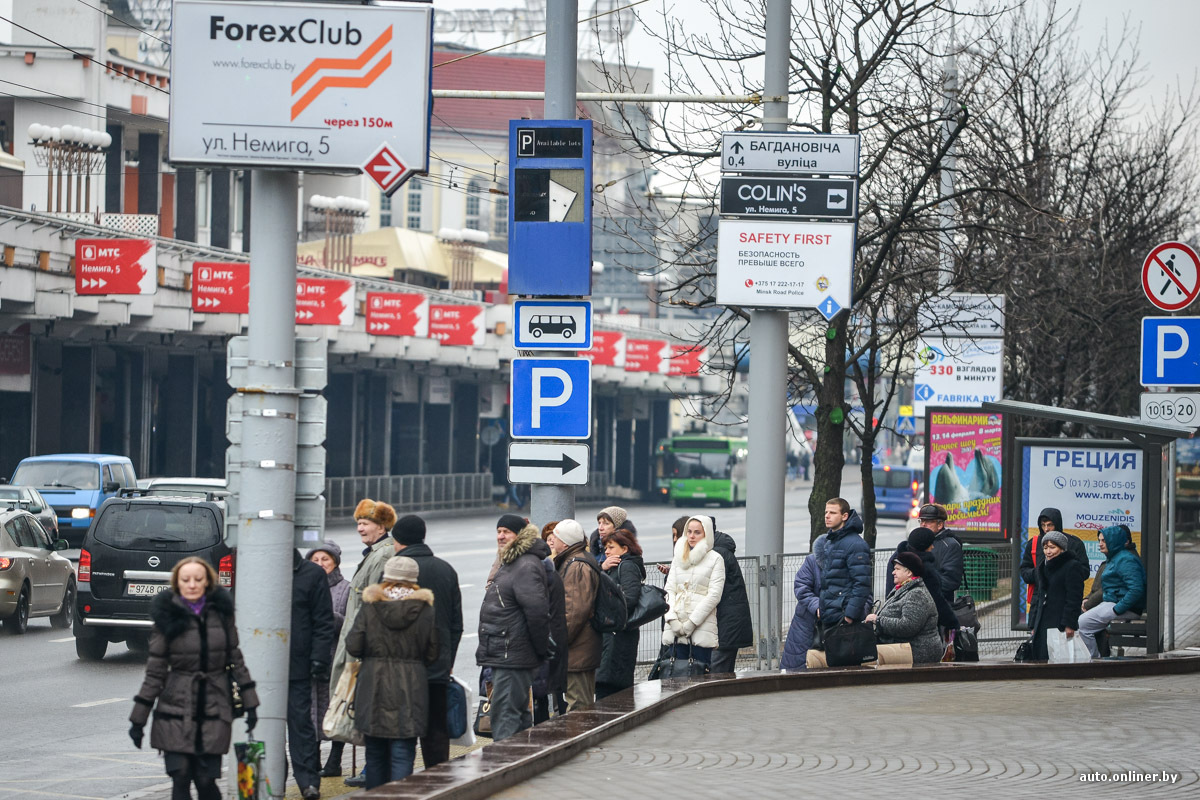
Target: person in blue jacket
column 845, row 565
column 804, row 621
column 1124, row 584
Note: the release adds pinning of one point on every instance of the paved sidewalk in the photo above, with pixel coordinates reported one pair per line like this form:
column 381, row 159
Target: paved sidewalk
column 1011, row 739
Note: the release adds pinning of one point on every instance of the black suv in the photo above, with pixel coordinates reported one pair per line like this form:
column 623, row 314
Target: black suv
column 126, row 560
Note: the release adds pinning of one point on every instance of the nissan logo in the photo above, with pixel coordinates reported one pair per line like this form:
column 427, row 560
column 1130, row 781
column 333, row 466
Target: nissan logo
column 153, row 561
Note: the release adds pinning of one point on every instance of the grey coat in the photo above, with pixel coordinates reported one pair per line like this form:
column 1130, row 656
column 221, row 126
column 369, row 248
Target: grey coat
column 370, row 571
column 909, row 615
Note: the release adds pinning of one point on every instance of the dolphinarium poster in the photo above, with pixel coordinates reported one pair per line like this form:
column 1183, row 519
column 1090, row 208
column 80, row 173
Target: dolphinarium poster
column 964, row 468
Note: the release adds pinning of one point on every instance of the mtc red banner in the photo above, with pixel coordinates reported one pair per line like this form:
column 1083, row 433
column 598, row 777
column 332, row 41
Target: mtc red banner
column 686, row 359
column 647, row 355
column 608, row 349
column 461, row 325
column 116, row 266
column 220, row 288
column 397, row 314
column 322, row 301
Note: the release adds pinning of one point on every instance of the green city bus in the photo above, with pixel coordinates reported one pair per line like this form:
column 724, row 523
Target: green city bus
column 701, row 469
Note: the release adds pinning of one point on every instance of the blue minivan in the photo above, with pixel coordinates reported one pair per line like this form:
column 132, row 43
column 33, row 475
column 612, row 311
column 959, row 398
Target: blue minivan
column 75, row 484
column 897, row 490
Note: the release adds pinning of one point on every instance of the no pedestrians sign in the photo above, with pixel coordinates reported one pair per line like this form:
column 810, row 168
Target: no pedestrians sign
column 1171, row 276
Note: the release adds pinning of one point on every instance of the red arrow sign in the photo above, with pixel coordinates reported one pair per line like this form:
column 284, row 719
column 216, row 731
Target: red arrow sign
column 387, row 170
column 647, row 355
column 321, row 301
column 608, row 349
column 220, row 288
column 686, row 359
column 116, row 266
column 397, row 314
column 462, row 325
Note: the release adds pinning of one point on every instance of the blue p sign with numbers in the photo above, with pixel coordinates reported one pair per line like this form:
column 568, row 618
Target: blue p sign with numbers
column 551, row 398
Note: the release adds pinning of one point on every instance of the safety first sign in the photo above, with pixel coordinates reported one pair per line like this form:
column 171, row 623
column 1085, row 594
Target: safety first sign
column 300, row 85
column 785, row 264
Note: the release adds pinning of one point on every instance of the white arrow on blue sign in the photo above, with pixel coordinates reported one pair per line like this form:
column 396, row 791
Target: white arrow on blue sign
column 551, row 398
column 1170, row 351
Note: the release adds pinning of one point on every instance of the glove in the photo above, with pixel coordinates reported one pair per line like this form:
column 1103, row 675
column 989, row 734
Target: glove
column 251, row 719
column 674, row 626
column 319, row 671
column 686, row 628
column 135, row 733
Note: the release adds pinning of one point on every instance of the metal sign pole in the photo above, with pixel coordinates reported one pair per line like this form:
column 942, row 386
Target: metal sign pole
column 768, row 351
column 1171, row 546
column 551, row 503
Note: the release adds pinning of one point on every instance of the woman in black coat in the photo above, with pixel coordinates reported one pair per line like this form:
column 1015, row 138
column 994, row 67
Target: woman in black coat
column 618, row 651
column 193, row 642
column 1060, row 591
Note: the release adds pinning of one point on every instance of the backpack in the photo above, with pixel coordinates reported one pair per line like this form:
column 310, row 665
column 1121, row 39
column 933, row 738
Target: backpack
column 609, row 614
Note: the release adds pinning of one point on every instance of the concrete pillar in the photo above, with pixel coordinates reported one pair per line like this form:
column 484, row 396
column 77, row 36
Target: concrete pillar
column 246, row 190
column 185, row 204
column 114, row 169
column 148, row 169
column 219, row 218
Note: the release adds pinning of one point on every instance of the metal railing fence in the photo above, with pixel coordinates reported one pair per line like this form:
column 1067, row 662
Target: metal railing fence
column 410, row 493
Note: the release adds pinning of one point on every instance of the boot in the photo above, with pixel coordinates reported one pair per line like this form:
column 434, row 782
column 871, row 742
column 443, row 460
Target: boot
column 333, row 765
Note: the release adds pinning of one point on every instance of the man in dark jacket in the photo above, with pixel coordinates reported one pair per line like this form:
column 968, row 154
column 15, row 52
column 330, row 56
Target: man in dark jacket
column 440, row 578
column 734, row 628
column 514, row 624
column 311, row 644
column 845, row 562
column 947, row 549
column 1050, row 520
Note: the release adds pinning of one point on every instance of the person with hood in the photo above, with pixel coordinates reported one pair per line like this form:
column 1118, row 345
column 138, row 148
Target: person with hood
column 1060, row 593
column 947, row 551
column 329, row 558
column 923, row 542
column 806, row 587
column 735, row 629
column 908, row 617
column 581, row 581
column 395, row 635
column 514, row 624
column 618, row 656
column 607, row 521
column 439, row 578
column 1124, row 584
column 844, row 560
column 694, row 586
column 1049, row 520
column 310, row 646
column 193, row 655
column 373, row 521
column 550, row 682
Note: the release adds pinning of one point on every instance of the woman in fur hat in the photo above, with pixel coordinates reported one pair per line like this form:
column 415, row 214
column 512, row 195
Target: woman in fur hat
column 329, row 558
column 395, row 636
column 694, row 587
column 193, row 641
column 908, row 617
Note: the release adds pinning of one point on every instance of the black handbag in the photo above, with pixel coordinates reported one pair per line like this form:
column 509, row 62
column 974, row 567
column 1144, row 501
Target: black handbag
column 651, row 605
column 850, row 644
column 1024, row 651
column 966, row 645
column 456, row 709
column 235, row 691
column 677, row 668
column 964, row 608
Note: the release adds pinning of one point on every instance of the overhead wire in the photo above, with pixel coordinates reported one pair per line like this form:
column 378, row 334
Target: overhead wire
column 115, row 18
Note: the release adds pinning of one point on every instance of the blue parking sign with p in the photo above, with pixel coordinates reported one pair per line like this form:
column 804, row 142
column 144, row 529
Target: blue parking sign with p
column 1170, row 351
column 551, row 398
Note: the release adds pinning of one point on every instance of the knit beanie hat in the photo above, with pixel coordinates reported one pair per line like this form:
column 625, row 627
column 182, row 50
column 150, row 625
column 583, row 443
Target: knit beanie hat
column 512, row 522
column 912, row 562
column 616, row 515
column 920, row 539
column 410, row 529
column 1058, row 537
column 569, row 532
column 380, row 513
column 327, row 546
column 401, row 568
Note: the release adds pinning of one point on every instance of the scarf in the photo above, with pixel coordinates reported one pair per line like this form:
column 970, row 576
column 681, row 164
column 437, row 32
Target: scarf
column 197, row 606
column 906, row 582
column 397, row 592
column 334, row 577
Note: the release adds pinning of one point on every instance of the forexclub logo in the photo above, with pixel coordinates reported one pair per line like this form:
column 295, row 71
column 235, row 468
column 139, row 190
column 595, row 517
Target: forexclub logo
column 320, row 66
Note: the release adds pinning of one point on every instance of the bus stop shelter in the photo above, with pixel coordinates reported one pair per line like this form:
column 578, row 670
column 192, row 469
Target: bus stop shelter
column 1153, row 439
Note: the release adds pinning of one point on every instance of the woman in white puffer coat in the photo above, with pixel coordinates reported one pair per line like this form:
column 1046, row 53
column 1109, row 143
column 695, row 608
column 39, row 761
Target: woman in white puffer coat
column 694, row 587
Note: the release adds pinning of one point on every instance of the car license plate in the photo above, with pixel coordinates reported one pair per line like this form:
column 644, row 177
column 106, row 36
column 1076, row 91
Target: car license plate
column 144, row 589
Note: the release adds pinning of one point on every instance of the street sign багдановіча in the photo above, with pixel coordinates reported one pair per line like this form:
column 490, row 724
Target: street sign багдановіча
column 299, row 85
column 552, row 324
column 787, row 198
column 794, row 153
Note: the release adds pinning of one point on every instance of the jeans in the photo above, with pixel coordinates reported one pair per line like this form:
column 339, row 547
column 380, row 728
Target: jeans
column 510, row 701
column 389, row 759
column 1096, row 619
column 723, row 660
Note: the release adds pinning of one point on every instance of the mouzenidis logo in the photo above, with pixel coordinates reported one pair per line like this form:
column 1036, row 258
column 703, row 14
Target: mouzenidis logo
column 320, row 67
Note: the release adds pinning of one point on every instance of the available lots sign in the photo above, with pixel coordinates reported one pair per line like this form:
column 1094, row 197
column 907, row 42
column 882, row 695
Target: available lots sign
column 964, row 460
column 785, row 264
column 221, row 288
column 116, row 266
column 397, row 314
column 321, row 301
column 301, row 86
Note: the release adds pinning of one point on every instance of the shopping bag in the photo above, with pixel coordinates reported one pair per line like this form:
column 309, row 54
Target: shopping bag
column 1066, row 651
column 252, row 780
column 339, row 719
column 850, row 644
column 464, row 696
